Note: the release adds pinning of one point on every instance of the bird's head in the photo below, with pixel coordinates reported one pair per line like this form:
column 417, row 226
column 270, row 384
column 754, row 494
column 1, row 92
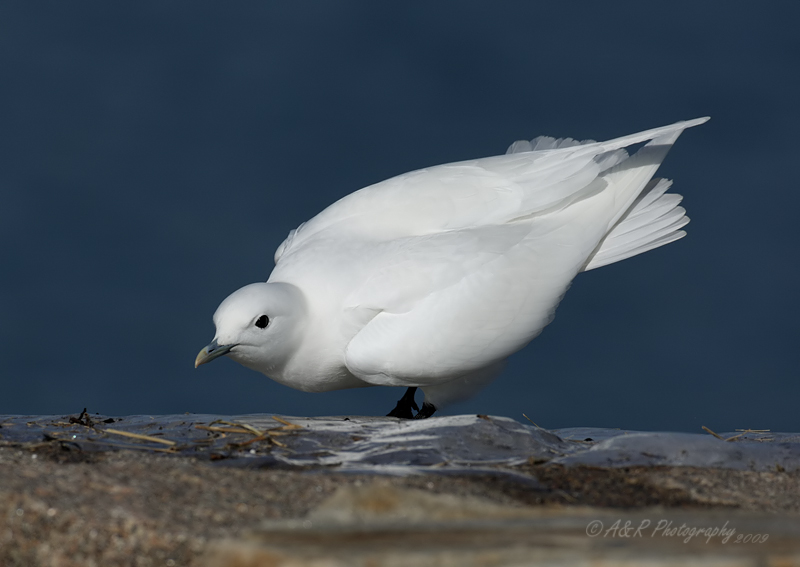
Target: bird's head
column 258, row 326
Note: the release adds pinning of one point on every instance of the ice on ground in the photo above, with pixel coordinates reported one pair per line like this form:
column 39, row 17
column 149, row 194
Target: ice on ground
column 452, row 443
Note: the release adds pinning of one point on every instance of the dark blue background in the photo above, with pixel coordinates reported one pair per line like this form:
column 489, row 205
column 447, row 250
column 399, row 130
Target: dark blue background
column 153, row 156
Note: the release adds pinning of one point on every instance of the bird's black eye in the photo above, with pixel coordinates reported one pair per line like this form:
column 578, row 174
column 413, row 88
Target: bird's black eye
column 262, row 322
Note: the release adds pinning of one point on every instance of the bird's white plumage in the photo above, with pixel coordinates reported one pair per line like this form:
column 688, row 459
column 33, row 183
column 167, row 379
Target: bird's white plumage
column 434, row 277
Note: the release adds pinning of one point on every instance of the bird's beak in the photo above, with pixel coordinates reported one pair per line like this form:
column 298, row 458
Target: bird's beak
column 211, row 352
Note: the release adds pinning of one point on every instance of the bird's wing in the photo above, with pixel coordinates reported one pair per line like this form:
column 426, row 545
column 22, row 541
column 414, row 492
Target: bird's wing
column 445, row 305
column 453, row 268
column 549, row 176
column 451, row 302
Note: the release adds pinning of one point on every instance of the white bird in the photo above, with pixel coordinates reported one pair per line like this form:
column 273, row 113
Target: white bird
column 431, row 279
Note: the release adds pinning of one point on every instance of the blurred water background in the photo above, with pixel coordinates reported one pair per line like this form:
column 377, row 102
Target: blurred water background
column 153, row 155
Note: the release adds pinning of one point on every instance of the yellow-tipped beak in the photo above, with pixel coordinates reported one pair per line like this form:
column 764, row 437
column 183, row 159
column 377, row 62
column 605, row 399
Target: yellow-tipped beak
column 210, row 352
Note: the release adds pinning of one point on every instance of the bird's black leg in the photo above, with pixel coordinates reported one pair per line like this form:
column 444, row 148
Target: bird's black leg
column 405, row 405
column 428, row 409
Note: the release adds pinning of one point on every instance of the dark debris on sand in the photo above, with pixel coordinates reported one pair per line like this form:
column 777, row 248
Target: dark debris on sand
column 68, row 501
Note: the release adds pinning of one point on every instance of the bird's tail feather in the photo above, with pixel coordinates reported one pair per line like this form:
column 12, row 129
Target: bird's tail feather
column 654, row 219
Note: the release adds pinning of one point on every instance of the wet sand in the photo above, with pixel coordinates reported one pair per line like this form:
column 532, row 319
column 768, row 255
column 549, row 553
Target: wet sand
column 63, row 504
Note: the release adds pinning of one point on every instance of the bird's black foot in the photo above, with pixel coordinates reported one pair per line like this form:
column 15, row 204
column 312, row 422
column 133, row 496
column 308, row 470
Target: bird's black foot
column 427, row 410
column 405, row 405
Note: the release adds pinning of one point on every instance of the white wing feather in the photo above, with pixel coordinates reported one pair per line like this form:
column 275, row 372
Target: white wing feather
column 503, row 289
column 481, row 192
column 489, row 245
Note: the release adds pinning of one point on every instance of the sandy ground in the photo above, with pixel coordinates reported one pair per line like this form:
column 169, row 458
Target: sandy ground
column 62, row 506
